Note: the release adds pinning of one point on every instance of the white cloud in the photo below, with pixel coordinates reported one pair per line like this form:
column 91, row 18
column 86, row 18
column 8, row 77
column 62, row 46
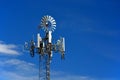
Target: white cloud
column 16, row 69
column 15, row 62
column 19, row 66
column 6, row 75
column 10, row 49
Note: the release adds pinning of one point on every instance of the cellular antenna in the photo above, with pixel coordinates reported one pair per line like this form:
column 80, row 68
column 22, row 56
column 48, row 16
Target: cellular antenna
column 45, row 48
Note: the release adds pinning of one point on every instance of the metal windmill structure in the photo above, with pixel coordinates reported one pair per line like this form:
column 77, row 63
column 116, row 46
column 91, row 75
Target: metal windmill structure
column 45, row 48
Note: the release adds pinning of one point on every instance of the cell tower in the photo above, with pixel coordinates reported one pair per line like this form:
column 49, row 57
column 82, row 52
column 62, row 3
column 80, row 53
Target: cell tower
column 44, row 46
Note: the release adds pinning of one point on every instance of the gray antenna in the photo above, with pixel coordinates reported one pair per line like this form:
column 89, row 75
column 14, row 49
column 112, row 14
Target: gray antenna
column 44, row 46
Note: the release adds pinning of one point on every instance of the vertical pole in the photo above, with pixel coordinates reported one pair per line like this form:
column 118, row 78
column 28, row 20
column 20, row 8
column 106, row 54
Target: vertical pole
column 45, row 47
column 42, row 67
column 48, row 68
column 39, row 66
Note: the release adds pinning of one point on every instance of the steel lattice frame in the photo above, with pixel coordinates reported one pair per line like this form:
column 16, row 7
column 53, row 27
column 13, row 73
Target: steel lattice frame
column 45, row 47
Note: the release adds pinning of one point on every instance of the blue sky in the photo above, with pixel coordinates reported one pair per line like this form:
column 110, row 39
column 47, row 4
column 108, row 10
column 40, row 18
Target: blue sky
column 91, row 29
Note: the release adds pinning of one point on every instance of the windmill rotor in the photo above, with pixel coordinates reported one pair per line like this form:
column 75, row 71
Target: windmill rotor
column 48, row 23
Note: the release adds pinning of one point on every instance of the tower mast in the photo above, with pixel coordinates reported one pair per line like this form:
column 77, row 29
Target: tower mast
column 45, row 47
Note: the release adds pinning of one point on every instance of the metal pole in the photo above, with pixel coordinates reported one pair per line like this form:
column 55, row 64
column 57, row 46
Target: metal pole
column 45, row 47
column 48, row 68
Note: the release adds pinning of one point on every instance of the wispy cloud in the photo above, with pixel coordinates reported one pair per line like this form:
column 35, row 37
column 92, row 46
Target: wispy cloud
column 21, row 73
column 10, row 49
column 18, row 66
column 16, row 69
column 6, row 75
